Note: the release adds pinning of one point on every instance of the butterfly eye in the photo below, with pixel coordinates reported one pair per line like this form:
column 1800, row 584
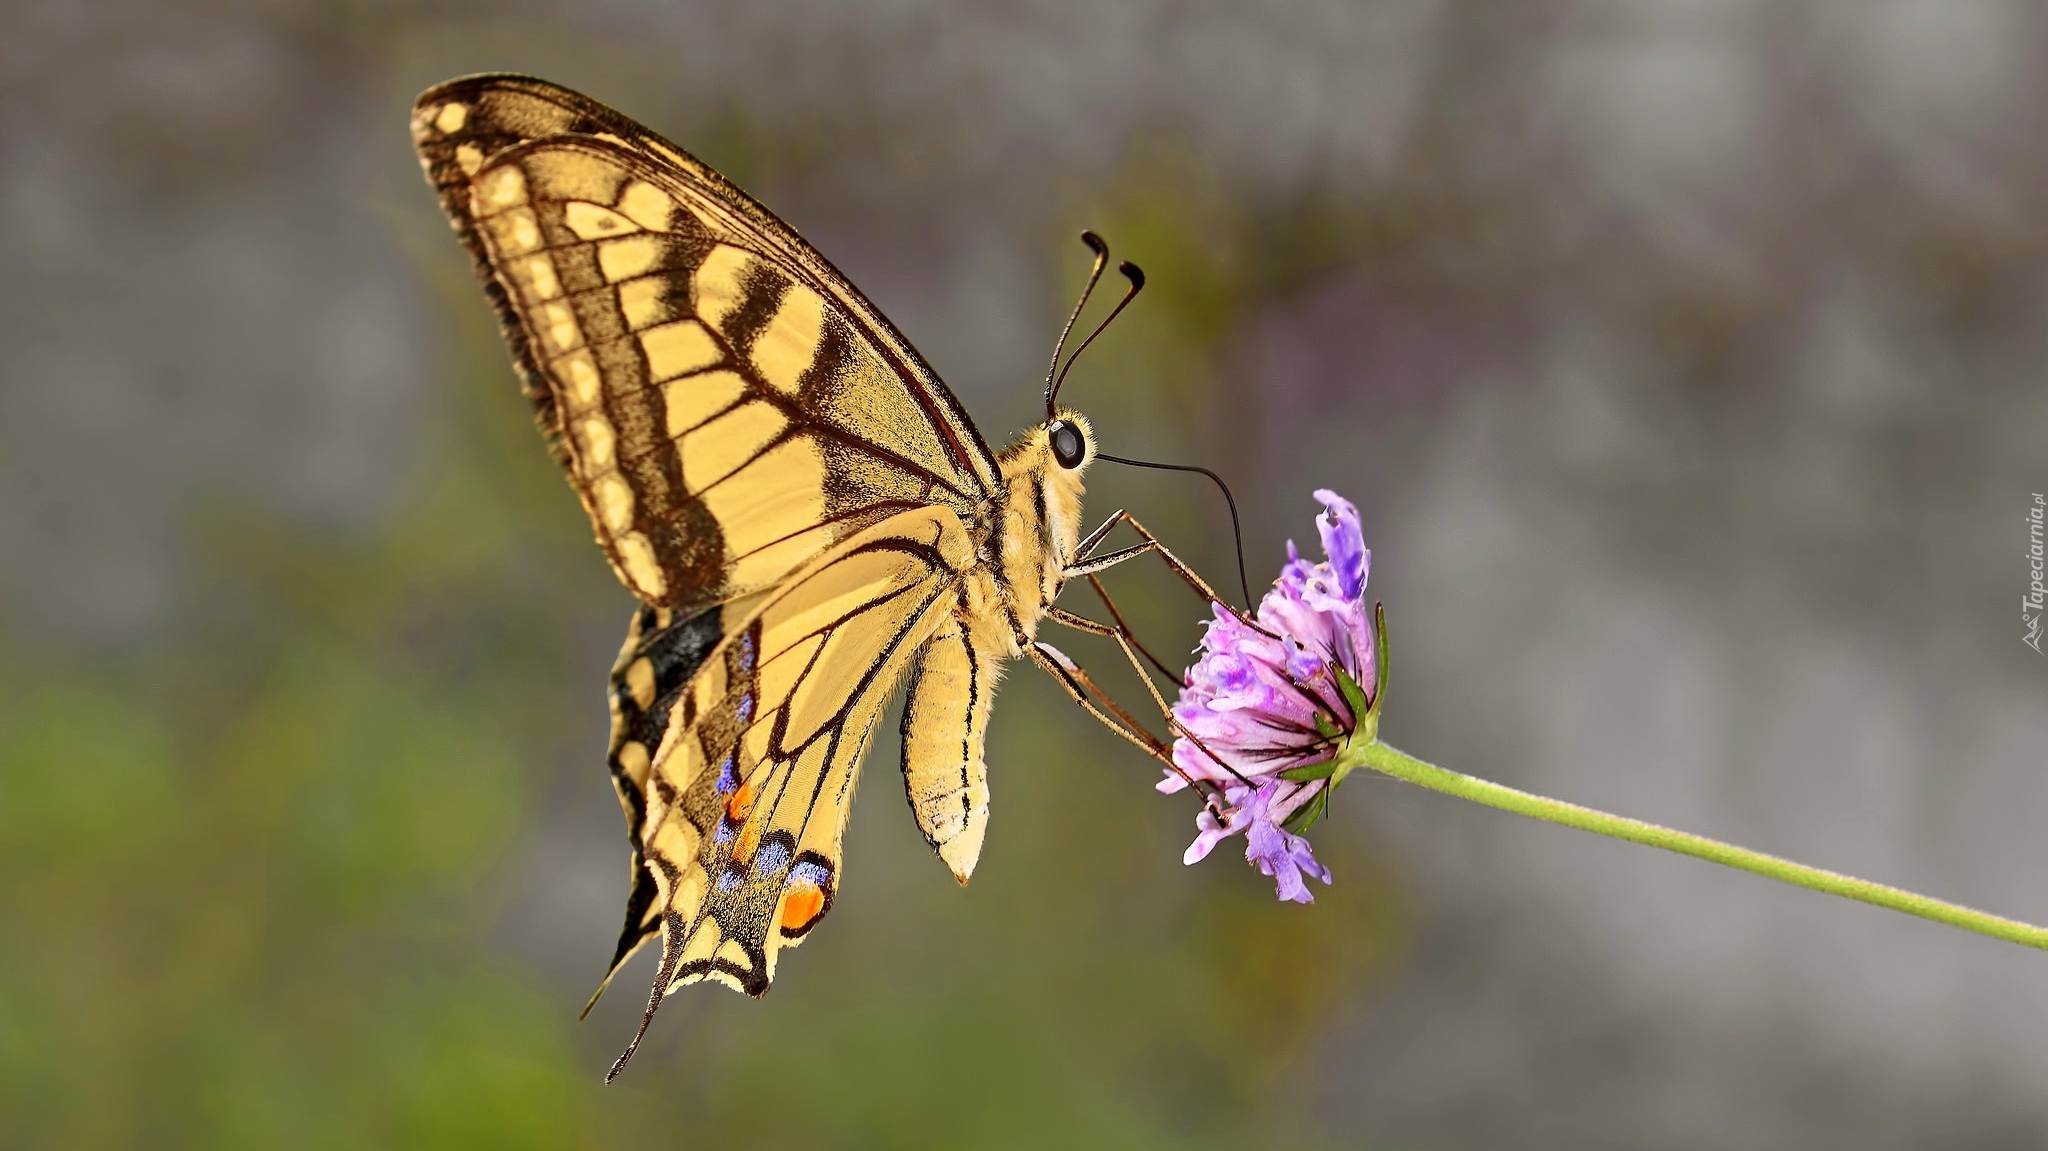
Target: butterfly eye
column 1068, row 446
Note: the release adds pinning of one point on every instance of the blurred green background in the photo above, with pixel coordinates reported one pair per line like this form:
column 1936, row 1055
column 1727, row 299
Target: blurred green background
column 1686, row 361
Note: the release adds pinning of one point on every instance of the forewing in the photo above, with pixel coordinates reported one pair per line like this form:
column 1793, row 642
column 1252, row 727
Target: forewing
column 727, row 405
column 747, row 796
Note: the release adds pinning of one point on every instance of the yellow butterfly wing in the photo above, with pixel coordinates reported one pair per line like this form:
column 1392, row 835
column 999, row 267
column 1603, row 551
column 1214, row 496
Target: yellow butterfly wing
column 749, row 791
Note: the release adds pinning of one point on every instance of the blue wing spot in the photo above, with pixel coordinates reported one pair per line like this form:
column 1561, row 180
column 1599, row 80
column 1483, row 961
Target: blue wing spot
column 772, row 856
column 729, row 775
column 814, row 874
column 730, row 878
column 747, row 653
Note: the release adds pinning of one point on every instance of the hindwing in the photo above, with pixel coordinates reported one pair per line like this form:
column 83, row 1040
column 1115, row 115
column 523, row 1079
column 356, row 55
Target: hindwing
column 747, row 796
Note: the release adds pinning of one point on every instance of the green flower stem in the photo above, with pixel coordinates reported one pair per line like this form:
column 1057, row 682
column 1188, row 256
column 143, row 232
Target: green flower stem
column 1381, row 758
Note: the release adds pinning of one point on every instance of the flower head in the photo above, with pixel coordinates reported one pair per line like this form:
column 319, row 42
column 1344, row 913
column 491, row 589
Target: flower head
column 1270, row 700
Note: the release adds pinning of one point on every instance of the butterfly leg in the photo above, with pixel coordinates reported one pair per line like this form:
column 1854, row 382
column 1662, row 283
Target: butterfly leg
column 1094, row 539
column 1121, row 633
column 1181, row 569
column 1080, row 686
column 1087, row 565
column 1084, row 565
column 1070, row 676
column 1085, row 560
column 1129, row 635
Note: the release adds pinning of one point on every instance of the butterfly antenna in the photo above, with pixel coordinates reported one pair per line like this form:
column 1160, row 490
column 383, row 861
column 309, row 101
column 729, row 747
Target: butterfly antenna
column 1136, row 276
column 1101, row 251
column 1236, row 533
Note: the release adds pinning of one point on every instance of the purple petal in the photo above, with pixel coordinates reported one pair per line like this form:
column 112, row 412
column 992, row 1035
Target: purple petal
column 1279, row 853
column 1210, row 831
column 1208, row 834
column 1343, row 542
column 1296, row 569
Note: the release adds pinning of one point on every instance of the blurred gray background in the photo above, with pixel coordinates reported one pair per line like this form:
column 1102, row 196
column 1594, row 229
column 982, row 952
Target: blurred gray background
column 1684, row 357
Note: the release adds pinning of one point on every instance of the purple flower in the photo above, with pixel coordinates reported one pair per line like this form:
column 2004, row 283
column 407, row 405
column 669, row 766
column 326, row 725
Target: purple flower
column 1278, row 694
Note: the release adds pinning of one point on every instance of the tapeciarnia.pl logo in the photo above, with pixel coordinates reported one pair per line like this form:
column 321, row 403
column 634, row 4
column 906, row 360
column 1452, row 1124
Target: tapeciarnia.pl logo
column 2036, row 598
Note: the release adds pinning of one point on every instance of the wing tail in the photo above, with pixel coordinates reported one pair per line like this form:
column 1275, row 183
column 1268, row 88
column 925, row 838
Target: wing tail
column 662, row 979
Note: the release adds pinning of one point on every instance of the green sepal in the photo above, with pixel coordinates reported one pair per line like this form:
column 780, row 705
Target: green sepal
column 1354, row 697
column 1309, row 771
column 1327, row 728
column 1379, row 655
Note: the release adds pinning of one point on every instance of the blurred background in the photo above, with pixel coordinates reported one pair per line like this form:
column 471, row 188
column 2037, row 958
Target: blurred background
column 1685, row 359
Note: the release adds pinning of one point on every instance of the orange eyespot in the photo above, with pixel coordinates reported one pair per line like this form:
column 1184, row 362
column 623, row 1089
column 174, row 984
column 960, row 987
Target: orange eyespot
column 804, row 903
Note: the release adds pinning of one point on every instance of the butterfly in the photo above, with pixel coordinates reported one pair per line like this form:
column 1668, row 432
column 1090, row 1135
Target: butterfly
column 805, row 512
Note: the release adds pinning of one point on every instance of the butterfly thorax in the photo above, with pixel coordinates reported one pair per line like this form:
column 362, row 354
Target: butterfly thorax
column 1026, row 538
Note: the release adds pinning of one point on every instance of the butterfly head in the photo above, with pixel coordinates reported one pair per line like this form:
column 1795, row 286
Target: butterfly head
column 1052, row 457
column 1065, row 446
